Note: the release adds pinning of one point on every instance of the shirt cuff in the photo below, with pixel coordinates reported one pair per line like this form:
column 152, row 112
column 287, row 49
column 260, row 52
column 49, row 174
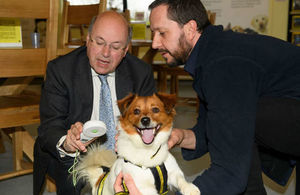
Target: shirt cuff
column 61, row 150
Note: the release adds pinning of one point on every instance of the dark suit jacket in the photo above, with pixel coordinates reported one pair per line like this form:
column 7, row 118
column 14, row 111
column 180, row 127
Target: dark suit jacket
column 67, row 95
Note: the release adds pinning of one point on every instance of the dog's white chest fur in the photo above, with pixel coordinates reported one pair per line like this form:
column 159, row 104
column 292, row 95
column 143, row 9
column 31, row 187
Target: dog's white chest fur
column 143, row 176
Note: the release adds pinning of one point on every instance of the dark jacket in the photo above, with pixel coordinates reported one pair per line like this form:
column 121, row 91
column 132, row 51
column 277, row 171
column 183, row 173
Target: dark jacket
column 231, row 72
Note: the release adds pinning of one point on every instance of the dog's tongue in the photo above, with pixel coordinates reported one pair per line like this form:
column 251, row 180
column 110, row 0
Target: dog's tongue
column 148, row 136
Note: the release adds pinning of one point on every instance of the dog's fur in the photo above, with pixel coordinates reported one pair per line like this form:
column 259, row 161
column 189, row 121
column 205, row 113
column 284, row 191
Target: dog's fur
column 239, row 29
column 140, row 117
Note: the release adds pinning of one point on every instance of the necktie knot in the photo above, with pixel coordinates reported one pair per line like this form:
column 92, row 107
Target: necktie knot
column 103, row 78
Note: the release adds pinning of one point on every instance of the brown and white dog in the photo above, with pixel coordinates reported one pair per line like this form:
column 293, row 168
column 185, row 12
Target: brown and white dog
column 145, row 125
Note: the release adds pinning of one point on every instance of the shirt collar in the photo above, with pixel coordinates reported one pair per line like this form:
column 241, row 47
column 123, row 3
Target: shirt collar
column 94, row 74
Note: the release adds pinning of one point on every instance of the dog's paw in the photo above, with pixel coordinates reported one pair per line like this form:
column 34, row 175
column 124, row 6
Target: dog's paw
column 190, row 189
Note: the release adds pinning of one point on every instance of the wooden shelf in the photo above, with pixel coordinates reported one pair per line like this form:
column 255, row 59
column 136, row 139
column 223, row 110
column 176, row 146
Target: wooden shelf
column 295, row 12
column 295, row 30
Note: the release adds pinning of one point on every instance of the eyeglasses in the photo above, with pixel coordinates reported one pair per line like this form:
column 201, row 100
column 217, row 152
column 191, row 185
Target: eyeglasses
column 100, row 43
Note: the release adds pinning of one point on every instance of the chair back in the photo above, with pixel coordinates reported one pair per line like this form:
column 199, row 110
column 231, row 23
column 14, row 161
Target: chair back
column 28, row 62
column 18, row 68
column 75, row 22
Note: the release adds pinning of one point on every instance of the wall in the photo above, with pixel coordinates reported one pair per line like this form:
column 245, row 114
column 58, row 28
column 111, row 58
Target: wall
column 278, row 14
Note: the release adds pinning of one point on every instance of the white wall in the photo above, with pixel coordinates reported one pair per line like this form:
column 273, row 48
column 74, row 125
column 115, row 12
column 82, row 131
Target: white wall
column 133, row 5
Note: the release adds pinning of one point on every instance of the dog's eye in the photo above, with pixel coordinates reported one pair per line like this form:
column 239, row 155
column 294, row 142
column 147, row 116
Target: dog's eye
column 155, row 110
column 136, row 111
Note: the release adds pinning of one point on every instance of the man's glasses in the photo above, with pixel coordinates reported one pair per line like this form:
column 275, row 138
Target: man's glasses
column 100, row 43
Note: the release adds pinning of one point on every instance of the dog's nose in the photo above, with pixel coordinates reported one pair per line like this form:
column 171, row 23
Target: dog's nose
column 145, row 121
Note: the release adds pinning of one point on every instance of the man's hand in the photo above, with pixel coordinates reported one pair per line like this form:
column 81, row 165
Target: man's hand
column 72, row 141
column 116, row 139
column 175, row 138
column 183, row 137
column 129, row 182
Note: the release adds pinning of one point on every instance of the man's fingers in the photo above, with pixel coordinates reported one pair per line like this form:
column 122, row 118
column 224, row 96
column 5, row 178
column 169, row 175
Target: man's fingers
column 72, row 146
column 77, row 129
column 173, row 139
column 117, row 135
column 116, row 139
column 131, row 185
column 68, row 146
column 80, row 146
column 118, row 183
column 176, row 137
column 171, row 143
column 72, row 143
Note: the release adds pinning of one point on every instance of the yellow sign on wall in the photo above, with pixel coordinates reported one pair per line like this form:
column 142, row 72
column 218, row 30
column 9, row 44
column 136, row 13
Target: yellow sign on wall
column 10, row 33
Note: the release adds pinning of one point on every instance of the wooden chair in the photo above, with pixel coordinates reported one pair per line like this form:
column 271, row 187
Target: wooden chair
column 18, row 68
column 76, row 17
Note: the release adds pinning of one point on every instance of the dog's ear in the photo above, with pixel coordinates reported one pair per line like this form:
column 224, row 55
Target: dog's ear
column 169, row 101
column 124, row 103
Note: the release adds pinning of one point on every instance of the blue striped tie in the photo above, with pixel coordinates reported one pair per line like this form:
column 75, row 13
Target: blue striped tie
column 106, row 113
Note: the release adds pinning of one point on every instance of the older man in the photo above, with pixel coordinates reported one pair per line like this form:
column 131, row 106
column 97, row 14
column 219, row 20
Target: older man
column 71, row 95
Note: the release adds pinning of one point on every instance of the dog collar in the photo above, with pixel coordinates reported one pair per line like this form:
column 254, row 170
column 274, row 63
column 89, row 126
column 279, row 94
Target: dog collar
column 125, row 160
column 156, row 152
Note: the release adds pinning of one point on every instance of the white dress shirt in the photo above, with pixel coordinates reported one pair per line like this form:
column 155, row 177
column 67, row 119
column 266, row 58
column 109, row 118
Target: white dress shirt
column 95, row 111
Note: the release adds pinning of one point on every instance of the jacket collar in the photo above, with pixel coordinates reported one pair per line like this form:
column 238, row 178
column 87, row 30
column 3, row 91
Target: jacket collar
column 124, row 81
column 202, row 48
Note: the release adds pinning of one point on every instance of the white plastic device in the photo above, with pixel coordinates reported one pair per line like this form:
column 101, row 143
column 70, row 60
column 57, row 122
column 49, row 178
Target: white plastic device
column 92, row 129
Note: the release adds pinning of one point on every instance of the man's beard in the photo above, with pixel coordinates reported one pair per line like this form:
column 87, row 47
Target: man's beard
column 181, row 55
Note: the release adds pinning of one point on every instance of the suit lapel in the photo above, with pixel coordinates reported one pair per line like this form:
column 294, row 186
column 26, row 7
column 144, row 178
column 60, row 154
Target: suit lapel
column 84, row 91
column 124, row 82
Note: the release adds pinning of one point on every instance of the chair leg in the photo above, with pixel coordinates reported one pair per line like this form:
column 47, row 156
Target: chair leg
column 298, row 178
column 19, row 139
column 2, row 147
column 50, row 184
column 162, row 81
column 174, row 85
column 17, row 143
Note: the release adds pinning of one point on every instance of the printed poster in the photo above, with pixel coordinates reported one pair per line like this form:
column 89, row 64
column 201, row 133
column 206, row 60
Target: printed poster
column 245, row 16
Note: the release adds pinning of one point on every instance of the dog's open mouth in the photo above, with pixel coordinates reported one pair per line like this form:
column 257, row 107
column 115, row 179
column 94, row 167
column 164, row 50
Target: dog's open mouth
column 148, row 134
